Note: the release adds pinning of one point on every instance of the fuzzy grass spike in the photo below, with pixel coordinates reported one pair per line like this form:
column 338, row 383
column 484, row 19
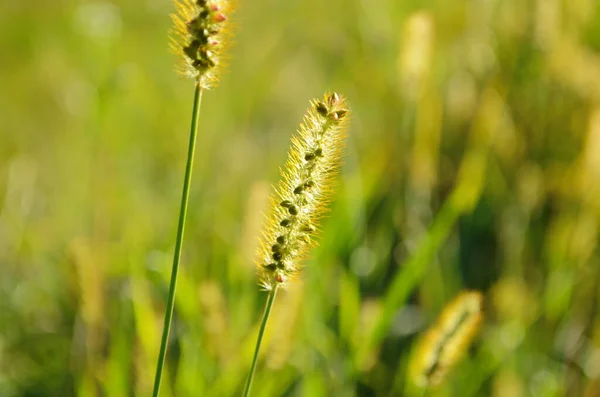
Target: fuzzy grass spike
column 300, row 200
column 199, row 38
column 302, row 195
column 446, row 342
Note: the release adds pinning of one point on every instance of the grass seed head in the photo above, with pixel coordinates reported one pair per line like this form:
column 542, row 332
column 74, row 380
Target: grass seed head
column 301, row 197
column 445, row 342
column 199, row 37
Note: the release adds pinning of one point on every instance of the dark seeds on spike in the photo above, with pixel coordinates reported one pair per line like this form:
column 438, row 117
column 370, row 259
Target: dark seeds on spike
column 286, row 204
column 309, row 157
column 276, row 248
column 309, row 184
column 321, row 109
column 200, row 63
column 280, row 265
column 207, row 56
column 285, row 222
column 202, row 39
column 193, row 26
column 281, row 239
column 200, row 24
column 341, row 113
column 319, row 152
column 277, row 256
column 298, row 189
column 293, row 210
column 191, row 50
column 271, row 266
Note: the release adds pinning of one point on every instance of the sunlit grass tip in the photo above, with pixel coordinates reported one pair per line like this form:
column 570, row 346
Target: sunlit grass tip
column 444, row 343
column 301, row 197
column 199, row 38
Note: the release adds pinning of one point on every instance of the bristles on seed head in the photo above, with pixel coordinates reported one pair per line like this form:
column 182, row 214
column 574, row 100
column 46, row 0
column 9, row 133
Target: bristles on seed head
column 301, row 197
column 445, row 342
column 199, row 37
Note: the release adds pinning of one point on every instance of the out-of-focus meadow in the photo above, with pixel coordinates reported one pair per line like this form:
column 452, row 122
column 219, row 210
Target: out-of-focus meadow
column 473, row 161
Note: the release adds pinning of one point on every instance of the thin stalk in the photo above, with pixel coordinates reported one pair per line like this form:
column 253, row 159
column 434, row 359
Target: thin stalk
column 179, row 240
column 263, row 325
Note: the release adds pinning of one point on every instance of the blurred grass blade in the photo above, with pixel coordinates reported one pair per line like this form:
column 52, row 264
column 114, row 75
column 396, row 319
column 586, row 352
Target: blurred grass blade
column 462, row 200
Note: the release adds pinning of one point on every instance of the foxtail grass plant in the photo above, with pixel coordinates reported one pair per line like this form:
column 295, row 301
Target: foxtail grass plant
column 198, row 39
column 300, row 200
column 445, row 342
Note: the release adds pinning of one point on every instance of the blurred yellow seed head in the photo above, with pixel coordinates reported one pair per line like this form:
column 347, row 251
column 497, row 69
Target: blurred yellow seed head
column 302, row 195
column 199, row 37
column 445, row 342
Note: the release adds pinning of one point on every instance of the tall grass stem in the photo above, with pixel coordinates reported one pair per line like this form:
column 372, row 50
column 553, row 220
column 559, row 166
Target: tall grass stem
column 263, row 325
column 179, row 239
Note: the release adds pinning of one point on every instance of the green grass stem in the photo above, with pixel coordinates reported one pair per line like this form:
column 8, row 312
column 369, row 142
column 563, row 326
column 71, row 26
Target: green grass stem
column 179, row 240
column 263, row 325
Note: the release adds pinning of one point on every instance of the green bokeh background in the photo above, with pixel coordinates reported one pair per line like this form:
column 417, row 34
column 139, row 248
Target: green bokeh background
column 473, row 162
